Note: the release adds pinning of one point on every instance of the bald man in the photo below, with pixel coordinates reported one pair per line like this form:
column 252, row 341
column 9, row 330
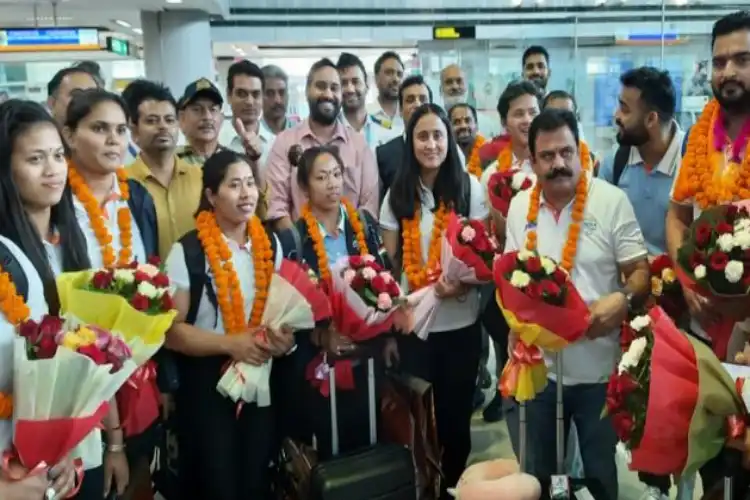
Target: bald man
column 453, row 86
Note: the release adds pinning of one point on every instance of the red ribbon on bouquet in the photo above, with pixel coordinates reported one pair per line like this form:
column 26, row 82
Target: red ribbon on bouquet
column 138, row 400
column 344, row 375
column 524, row 357
column 14, row 474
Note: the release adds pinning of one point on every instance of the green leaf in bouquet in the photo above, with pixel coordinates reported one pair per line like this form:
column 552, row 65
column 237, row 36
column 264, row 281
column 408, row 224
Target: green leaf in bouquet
column 370, row 296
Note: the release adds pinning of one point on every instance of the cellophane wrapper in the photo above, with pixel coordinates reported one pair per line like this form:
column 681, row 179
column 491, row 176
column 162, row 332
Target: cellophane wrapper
column 295, row 302
column 57, row 402
column 538, row 326
column 690, row 398
column 138, row 401
column 458, row 263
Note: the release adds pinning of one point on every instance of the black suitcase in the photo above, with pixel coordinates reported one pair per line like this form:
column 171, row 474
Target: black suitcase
column 379, row 472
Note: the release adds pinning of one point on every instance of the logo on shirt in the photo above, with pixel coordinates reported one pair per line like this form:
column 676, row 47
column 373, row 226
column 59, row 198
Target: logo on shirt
column 589, row 227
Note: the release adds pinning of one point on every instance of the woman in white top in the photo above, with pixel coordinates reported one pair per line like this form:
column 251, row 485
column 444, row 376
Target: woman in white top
column 221, row 272
column 431, row 183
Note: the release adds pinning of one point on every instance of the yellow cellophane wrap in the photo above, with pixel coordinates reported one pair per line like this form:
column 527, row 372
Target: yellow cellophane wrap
column 143, row 332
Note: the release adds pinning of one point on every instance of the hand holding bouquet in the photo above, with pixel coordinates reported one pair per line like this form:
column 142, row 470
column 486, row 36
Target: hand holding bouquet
column 466, row 257
column 503, row 186
column 295, row 302
column 714, row 262
column 64, row 375
column 544, row 310
column 669, row 399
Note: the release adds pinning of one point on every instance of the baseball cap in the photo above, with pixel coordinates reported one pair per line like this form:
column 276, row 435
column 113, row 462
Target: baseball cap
column 201, row 87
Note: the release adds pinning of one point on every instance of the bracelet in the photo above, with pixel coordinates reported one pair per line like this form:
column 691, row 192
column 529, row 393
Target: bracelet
column 115, row 448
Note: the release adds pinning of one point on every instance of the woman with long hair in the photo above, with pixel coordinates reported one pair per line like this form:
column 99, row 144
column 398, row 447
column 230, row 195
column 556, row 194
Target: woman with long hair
column 117, row 218
column 430, row 185
column 38, row 209
column 330, row 228
column 221, row 273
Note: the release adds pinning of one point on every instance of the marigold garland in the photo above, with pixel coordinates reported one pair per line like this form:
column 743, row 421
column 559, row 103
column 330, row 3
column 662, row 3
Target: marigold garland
column 313, row 229
column 505, row 157
column 700, row 177
column 474, row 166
column 228, row 289
column 579, row 204
column 418, row 274
column 16, row 311
column 6, row 406
column 98, row 218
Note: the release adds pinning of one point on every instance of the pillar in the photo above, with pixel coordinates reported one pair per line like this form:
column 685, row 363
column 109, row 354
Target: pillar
column 177, row 48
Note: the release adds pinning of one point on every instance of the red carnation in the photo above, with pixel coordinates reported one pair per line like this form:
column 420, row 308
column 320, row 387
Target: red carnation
column 132, row 265
column 356, row 261
column 379, row 285
column 167, row 304
column 533, row 265
column 623, row 424
column 140, row 277
column 560, row 276
column 731, row 213
column 533, row 291
column 139, row 302
column 724, row 227
column 526, row 184
column 482, row 244
column 161, row 280
column 718, row 261
column 46, row 348
column 551, row 289
column 102, row 279
column 154, row 260
column 50, row 326
column 29, row 330
column 697, row 258
column 703, row 235
column 94, row 353
column 358, row 282
column 660, row 263
column 393, row 289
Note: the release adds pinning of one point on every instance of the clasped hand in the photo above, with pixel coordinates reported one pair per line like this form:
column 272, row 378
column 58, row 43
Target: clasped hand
column 33, row 487
column 258, row 346
column 607, row 314
column 445, row 289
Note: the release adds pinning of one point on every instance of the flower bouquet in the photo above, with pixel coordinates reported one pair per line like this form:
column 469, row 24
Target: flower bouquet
column 366, row 301
column 669, row 399
column 503, row 186
column 294, row 301
column 714, row 262
column 466, row 256
column 135, row 303
column 544, row 309
column 63, row 378
column 666, row 291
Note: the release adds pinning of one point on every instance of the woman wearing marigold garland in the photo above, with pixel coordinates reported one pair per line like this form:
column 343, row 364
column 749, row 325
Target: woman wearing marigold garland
column 330, row 228
column 430, row 184
column 221, row 272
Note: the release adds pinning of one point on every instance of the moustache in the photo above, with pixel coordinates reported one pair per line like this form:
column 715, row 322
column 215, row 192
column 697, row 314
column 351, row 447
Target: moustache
column 732, row 81
column 558, row 172
column 278, row 107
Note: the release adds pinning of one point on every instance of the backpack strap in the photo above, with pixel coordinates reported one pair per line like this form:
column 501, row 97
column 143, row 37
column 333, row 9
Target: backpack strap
column 621, row 160
column 12, row 266
column 195, row 260
column 685, row 141
column 291, row 243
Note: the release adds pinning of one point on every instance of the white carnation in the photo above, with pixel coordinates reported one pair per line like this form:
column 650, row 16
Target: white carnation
column 734, row 271
column 633, row 356
column 742, row 239
column 517, row 180
column 548, row 265
column 700, row 271
column 520, row 279
column 726, row 242
column 524, row 255
column 125, row 275
column 640, row 322
column 148, row 290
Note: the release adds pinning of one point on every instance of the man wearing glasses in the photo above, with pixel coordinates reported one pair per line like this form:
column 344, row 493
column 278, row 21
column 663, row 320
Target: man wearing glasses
column 200, row 121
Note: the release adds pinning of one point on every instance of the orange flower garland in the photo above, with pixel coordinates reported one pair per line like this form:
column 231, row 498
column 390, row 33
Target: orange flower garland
column 6, row 406
column 418, row 274
column 505, row 157
column 700, row 177
column 97, row 218
column 16, row 311
column 474, row 167
column 228, row 289
column 313, row 229
column 571, row 245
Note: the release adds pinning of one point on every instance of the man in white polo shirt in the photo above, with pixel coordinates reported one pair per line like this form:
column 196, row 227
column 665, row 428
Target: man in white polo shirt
column 610, row 246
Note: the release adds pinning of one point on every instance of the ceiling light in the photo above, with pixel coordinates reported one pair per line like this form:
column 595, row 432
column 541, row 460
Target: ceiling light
column 48, row 19
column 138, row 31
column 174, row 1
column 680, row 2
column 122, row 23
column 516, row 3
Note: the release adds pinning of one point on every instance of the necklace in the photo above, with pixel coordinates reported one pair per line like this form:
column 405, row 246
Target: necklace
column 313, row 229
column 571, row 245
column 474, row 167
column 701, row 176
column 228, row 289
column 97, row 218
column 417, row 273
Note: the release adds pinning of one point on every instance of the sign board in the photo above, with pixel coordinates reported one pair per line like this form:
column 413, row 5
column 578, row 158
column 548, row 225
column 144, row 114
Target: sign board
column 49, row 39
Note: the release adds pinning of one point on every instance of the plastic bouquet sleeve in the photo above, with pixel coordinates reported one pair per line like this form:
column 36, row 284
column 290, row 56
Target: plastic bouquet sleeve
column 461, row 263
column 58, row 402
column 690, row 398
column 538, row 325
column 294, row 301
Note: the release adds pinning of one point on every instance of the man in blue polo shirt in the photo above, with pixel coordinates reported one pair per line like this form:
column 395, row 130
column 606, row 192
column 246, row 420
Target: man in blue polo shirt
column 648, row 158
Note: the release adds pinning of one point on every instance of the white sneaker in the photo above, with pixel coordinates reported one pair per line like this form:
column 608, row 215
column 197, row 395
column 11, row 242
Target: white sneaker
column 653, row 493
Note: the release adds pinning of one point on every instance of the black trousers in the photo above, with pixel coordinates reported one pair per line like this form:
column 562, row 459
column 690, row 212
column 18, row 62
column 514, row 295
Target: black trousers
column 92, row 487
column 448, row 360
column 223, row 455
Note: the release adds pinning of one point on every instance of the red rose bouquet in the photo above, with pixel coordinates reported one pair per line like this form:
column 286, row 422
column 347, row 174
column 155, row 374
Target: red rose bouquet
column 64, row 375
column 714, row 262
column 666, row 290
column 546, row 312
column 503, row 186
column 669, row 399
column 135, row 303
column 466, row 257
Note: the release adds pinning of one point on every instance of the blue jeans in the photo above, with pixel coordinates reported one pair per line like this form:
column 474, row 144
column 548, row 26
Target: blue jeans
column 582, row 405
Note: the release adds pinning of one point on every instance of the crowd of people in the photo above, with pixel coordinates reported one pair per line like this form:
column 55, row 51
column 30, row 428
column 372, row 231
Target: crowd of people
column 97, row 178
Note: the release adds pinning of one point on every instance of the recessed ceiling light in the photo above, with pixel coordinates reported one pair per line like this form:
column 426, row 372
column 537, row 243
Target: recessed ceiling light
column 122, row 23
column 138, row 31
column 174, row 1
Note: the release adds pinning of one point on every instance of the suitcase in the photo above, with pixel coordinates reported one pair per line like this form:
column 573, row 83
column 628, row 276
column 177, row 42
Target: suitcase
column 380, row 471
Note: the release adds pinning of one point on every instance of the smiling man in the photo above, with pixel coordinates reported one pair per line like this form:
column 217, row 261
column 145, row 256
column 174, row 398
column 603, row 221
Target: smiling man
column 535, row 62
column 322, row 127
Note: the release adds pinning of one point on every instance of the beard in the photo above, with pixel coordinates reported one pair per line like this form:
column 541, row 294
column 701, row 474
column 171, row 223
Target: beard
column 324, row 117
column 451, row 100
column 738, row 100
column 636, row 138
